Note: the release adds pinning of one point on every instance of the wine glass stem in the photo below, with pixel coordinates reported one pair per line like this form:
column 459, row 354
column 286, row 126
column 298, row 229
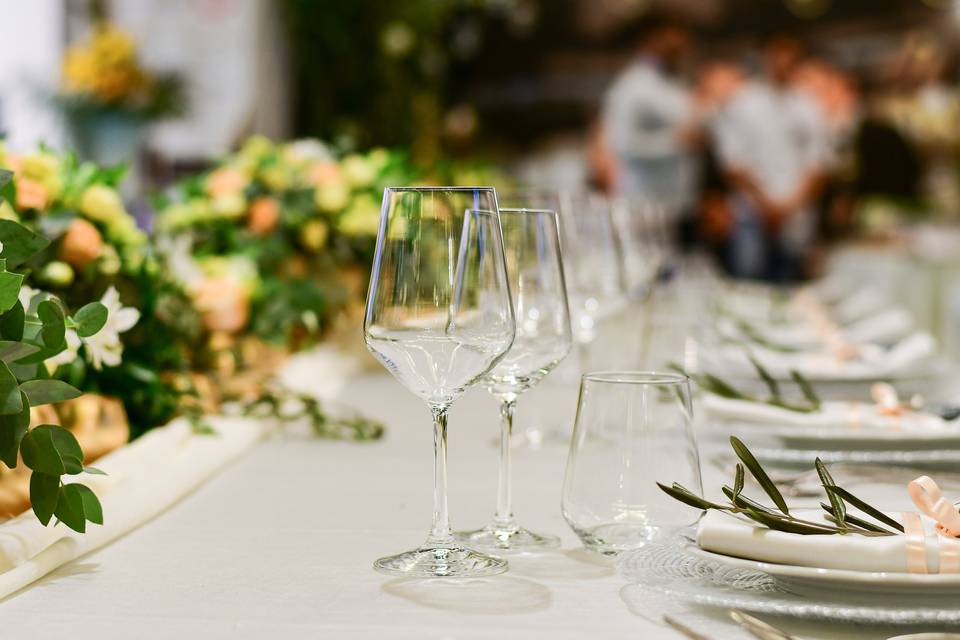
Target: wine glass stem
column 440, row 534
column 504, row 515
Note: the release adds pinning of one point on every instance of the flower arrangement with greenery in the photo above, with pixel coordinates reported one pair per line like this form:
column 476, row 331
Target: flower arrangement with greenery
column 275, row 240
column 105, row 74
column 33, row 332
column 96, row 252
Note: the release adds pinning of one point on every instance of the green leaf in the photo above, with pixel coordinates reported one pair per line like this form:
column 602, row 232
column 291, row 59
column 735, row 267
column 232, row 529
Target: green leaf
column 48, row 391
column 12, row 429
column 805, row 388
column 92, row 510
column 768, row 379
column 759, row 474
column 11, row 323
column 10, row 284
column 54, row 325
column 715, row 385
column 90, row 319
column 51, row 449
column 19, row 242
column 839, row 508
column 857, row 522
column 738, row 481
column 11, row 402
column 867, row 509
column 44, row 494
column 789, row 525
column 69, row 509
column 94, row 471
column 677, row 492
column 5, row 177
column 12, row 351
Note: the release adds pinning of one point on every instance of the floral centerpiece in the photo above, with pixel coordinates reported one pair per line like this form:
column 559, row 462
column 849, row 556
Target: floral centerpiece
column 96, row 252
column 275, row 240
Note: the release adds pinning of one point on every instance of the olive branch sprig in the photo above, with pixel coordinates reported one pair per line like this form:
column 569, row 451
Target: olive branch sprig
column 717, row 386
column 839, row 519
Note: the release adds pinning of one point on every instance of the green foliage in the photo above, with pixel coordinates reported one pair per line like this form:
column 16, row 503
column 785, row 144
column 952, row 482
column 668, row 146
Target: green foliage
column 30, row 336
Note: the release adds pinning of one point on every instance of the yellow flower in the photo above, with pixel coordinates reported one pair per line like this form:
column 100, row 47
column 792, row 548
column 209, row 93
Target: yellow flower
column 314, row 234
column 255, row 148
column 358, row 172
column 228, row 205
column 57, row 273
column 276, row 177
column 102, row 204
column 379, row 158
column 331, row 198
column 44, row 167
column 362, row 218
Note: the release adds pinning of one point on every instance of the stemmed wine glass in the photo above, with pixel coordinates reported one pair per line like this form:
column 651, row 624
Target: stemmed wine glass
column 531, row 240
column 439, row 316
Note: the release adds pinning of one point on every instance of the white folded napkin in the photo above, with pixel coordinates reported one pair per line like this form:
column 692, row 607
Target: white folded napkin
column 831, row 414
column 144, row 479
column 742, row 538
column 861, row 304
column 872, row 362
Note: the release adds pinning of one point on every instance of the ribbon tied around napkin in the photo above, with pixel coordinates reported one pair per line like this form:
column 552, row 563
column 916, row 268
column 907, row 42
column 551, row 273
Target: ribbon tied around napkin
column 928, row 498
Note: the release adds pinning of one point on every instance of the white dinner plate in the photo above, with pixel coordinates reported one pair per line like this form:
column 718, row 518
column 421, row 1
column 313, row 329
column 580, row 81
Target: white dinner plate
column 844, row 437
column 812, row 579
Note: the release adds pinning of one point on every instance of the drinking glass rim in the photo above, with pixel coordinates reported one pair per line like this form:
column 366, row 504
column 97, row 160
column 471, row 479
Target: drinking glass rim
column 635, row 377
column 435, row 188
column 528, row 210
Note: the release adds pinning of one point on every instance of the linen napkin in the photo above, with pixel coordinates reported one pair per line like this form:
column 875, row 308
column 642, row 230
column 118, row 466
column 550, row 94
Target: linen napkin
column 840, row 415
column 144, row 479
column 872, row 361
column 742, row 538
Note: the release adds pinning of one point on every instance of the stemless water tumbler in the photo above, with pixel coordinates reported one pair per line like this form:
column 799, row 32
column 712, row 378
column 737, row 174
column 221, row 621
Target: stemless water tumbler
column 632, row 431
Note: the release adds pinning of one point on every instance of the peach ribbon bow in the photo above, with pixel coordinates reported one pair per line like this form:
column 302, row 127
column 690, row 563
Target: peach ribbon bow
column 930, row 501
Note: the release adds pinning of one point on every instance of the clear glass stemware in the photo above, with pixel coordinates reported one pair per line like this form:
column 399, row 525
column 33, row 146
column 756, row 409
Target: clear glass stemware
column 543, row 338
column 439, row 316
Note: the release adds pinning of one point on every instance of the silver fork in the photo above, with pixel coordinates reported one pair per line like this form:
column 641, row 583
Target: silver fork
column 758, row 628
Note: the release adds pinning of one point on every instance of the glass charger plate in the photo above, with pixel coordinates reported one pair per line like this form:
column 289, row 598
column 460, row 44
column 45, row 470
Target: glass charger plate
column 668, row 568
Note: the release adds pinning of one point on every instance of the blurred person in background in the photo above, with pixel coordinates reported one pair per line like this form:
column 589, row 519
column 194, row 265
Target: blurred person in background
column 649, row 121
column 773, row 148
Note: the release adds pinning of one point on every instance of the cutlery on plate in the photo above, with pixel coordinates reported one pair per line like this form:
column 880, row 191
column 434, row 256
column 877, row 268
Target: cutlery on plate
column 758, row 628
column 684, row 629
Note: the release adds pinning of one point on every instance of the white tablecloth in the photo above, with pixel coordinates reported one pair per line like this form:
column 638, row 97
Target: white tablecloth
column 281, row 543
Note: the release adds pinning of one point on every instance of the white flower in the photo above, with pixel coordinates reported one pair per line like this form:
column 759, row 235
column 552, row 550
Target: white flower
column 104, row 347
column 26, row 295
column 68, row 355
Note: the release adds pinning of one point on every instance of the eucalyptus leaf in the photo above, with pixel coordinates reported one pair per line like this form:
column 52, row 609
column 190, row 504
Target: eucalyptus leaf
column 11, row 351
column 12, row 429
column 92, row 510
column 44, row 494
column 11, row 402
column 70, row 508
column 48, row 391
column 54, row 324
column 52, row 449
column 19, row 242
column 11, row 323
column 90, row 319
column 10, row 284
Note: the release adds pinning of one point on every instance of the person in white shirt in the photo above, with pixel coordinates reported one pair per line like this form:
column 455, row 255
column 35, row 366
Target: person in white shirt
column 773, row 144
column 647, row 120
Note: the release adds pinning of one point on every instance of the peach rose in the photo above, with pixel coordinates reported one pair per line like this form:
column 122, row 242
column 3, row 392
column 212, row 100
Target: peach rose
column 81, row 244
column 31, row 194
column 324, row 173
column 226, row 180
column 264, row 215
column 224, row 304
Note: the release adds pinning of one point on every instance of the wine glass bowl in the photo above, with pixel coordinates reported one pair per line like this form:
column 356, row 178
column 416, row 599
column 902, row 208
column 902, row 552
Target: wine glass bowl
column 438, row 317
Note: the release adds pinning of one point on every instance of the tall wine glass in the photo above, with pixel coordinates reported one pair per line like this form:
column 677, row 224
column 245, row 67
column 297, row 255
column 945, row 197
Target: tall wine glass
column 596, row 286
column 439, row 316
column 531, row 240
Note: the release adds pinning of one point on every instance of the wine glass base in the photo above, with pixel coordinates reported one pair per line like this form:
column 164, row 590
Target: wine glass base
column 453, row 561
column 516, row 539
